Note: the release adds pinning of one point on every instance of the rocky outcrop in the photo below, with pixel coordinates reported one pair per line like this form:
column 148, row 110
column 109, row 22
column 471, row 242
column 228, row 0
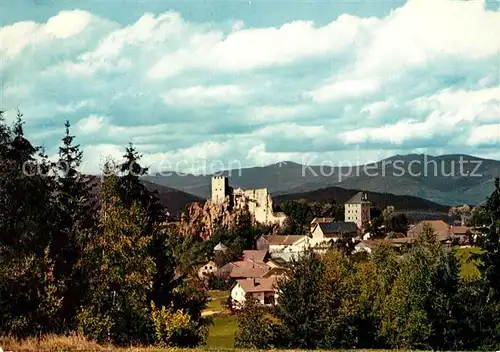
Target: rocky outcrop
column 203, row 219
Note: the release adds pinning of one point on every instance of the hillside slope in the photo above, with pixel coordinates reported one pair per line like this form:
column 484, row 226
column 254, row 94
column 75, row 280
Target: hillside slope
column 173, row 199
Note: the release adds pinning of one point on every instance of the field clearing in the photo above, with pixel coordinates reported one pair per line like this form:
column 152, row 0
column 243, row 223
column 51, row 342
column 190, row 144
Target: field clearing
column 221, row 333
column 217, row 300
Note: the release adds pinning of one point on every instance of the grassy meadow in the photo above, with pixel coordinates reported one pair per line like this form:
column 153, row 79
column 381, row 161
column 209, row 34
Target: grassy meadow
column 79, row 344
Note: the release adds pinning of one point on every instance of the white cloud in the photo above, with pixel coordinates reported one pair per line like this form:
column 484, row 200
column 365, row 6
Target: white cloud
column 292, row 131
column 261, row 47
column 95, row 156
column 73, row 107
column 377, row 108
column 486, row 134
column 396, row 133
column 344, row 89
column 276, row 113
column 91, row 124
column 200, row 95
column 463, row 105
column 423, row 31
column 67, row 23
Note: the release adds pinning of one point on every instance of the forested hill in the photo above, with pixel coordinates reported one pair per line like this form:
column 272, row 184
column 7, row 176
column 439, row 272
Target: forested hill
column 172, row 199
column 416, row 208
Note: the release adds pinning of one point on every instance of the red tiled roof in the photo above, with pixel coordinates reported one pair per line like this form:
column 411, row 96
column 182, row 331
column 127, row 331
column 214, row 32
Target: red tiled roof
column 258, row 285
column 441, row 229
column 256, row 255
column 244, row 269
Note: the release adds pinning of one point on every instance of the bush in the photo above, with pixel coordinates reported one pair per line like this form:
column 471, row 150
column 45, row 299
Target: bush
column 168, row 322
column 257, row 326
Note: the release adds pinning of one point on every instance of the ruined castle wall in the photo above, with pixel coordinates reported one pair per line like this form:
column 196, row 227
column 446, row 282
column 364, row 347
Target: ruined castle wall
column 260, row 205
column 258, row 201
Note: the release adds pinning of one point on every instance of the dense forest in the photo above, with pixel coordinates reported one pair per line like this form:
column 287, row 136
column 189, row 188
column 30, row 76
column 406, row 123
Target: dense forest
column 106, row 267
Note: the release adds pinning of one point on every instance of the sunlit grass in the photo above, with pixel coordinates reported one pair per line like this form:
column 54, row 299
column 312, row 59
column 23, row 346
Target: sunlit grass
column 468, row 268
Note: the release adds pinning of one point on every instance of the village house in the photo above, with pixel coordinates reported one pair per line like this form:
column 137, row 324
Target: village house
column 252, row 265
column 445, row 233
column 325, row 232
column 281, row 258
column 255, row 255
column 263, row 289
column 220, row 248
column 277, row 243
column 243, row 269
column 316, row 221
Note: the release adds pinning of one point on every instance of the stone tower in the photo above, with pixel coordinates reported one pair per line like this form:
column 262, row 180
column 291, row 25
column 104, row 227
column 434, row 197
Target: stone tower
column 357, row 209
column 220, row 189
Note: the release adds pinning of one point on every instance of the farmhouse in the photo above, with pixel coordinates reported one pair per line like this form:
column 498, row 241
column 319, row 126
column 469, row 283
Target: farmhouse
column 444, row 232
column 252, row 265
column 324, row 232
column 263, row 289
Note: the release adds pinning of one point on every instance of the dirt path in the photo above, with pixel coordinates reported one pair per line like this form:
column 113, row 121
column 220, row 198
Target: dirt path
column 207, row 313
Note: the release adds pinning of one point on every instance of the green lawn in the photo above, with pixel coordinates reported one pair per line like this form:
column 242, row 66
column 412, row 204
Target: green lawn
column 468, row 269
column 217, row 300
column 221, row 333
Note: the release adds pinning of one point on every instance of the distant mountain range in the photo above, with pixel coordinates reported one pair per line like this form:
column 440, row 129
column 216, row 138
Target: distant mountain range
column 446, row 179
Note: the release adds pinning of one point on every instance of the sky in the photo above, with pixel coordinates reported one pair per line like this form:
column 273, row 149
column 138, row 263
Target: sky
column 204, row 85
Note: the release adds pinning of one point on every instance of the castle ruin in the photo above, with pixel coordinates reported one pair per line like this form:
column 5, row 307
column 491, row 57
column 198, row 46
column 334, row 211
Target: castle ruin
column 258, row 201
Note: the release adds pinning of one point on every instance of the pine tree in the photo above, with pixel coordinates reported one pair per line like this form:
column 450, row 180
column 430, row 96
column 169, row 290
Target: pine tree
column 490, row 258
column 28, row 303
column 75, row 206
column 22, row 151
column 132, row 190
column 5, row 138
